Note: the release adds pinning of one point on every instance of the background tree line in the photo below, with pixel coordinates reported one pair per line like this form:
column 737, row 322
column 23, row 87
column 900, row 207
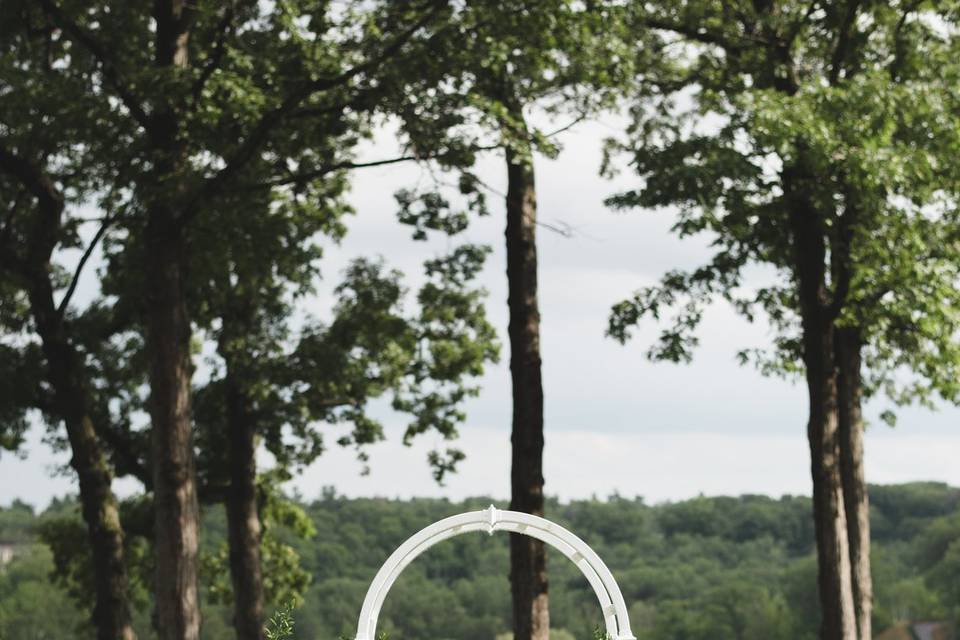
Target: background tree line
column 203, row 151
column 706, row 568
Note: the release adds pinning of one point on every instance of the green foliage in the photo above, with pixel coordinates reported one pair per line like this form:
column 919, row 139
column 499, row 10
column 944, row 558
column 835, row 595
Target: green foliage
column 939, row 554
column 16, row 525
column 246, row 146
column 32, row 607
column 239, row 150
column 61, row 529
column 737, row 568
column 827, row 109
column 454, row 341
column 425, row 360
column 491, row 66
column 280, row 626
column 19, row 368
column 283, row 522
column 433, row 213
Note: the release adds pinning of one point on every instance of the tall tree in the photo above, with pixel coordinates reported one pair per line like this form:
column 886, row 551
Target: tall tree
column 45, row 341
column 193, row 93
column 814, row 140
column 278, row 386
column 497, row 65
column 31, row 266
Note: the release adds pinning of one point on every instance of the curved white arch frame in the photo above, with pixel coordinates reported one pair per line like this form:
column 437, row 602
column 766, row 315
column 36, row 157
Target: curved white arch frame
column 492, row 519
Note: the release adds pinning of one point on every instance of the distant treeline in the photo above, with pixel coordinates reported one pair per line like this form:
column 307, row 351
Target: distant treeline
column 702, row 569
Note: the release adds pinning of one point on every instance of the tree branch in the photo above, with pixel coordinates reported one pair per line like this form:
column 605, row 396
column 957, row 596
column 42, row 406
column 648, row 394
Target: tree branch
column 61, row 309
column 840, row 255
column 799, row 24
column 898, row 45
column 49, row 199
column 580, row 118
column 563, row 229
column 258, row 135
column 7, row 230
column 124, row 454
column 224, row 29
column 306, row 176
column 843, row 41
column 30, row 176
column 107, row 65
column 699, row 35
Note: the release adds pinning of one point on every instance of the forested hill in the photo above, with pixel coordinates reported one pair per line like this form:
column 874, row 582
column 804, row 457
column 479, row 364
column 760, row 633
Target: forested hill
column 707, row 568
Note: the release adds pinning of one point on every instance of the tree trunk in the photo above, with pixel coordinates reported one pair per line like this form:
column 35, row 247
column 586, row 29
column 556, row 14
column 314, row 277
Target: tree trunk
column 176, row 512
column 836, row 595
column 856, row 500
column 833, row 553
column 243, row 518
column 111, row 611
column 174, row 477
column 528, row 573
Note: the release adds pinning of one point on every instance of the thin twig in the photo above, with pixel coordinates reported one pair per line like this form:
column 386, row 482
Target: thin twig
column 61, row 309
column 300, row 178
column 566, row 127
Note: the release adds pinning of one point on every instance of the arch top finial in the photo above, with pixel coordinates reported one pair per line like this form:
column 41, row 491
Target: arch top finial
column 493, row 516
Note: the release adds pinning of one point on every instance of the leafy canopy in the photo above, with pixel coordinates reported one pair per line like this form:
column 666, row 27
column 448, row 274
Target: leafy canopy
column 850, row 106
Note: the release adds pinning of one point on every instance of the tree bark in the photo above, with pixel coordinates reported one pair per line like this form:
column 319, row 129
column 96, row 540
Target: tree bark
column 833, row 553
column 528, row 573
column 855, row 496
column 176, row 511
column 243, row 518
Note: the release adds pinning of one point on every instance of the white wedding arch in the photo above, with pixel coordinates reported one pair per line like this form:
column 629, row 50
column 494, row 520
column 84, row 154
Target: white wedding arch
column 490, row 520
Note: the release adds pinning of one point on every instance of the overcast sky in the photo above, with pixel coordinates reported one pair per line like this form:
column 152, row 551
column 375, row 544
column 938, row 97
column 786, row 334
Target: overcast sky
column 615, row 423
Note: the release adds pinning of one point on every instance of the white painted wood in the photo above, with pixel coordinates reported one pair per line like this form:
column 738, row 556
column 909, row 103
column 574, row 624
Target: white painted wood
column 490, row 520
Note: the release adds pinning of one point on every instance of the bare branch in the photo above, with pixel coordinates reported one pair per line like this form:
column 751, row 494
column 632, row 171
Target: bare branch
column 61, row 309
column 306, row 176
column 567, row 127
column 563, row 229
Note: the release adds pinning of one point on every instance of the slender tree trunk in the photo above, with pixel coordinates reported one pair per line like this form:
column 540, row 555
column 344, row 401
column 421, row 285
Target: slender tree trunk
column 836, row 590
column 833, row 553
column 176, row 511
column 111, row 611
column 528, row 572
column 856, row 500
column 243, row 518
